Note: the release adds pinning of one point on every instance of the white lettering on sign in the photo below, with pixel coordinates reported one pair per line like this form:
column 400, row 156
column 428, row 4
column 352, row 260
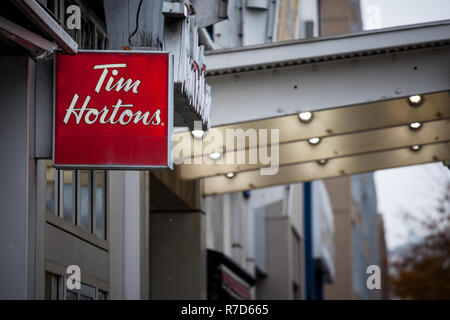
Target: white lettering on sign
column 109, row 85
column 91, row 115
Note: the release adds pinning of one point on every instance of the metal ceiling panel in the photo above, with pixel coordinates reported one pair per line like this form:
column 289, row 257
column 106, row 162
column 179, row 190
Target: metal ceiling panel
column 327, row 123
column 329, row 148
column 333, row 168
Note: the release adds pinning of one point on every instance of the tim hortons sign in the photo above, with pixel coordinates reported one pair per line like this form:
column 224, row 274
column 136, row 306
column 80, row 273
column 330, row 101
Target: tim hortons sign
column 113, row 110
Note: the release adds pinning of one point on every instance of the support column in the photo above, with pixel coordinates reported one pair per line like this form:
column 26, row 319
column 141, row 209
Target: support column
column 17, row 171
column 178, row 256
column 129, row 234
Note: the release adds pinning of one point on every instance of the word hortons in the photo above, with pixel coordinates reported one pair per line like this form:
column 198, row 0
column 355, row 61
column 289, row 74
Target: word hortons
column 112, row 110
column 92, row 114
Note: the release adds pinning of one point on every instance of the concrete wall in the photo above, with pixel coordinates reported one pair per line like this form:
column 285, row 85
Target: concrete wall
column 357, row 245
column 188, row 192
column 129, row 228
column 339, row 191
column 214, row 222
column 340, row 16
column 178, row 256
column 277, row 284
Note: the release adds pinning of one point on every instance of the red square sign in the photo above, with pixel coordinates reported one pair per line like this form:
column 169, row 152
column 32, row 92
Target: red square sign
column 113, row 110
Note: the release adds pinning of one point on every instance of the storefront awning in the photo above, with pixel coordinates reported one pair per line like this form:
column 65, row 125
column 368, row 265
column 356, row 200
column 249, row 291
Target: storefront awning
column 226, row 279
column 41, row 20
column 376, row 99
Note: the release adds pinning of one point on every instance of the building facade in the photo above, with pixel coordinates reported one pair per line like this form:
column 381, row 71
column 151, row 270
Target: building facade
column 96, row 220
column 359, row 237
column 160, row 235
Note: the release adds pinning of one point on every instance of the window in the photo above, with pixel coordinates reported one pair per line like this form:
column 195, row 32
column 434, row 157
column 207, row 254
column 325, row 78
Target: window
column 55, row 289
column 50, row 194
column 85, row 200
column 71, row 295
column 68, row 198
column 52, row 283
column 78, row 196
column 86, row 292
column 101, row 295
column 100, row 204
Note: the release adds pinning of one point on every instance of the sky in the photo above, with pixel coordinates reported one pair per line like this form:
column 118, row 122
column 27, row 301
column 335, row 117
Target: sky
column 413, row 189
column 410, row 189
column 392, row 13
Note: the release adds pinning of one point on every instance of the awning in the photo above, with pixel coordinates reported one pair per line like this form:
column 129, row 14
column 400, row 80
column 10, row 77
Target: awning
column 226, row 279
column 377, row 100
column 45, row 23
column 234, row 285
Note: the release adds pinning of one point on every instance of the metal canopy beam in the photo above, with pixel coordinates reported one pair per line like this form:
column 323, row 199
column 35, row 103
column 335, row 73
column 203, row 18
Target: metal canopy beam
column 325, row 48
column 269, row 93
column 331, row 147
column 335, row 167
column 327, row 123
column 25, row 38
column 47, row 24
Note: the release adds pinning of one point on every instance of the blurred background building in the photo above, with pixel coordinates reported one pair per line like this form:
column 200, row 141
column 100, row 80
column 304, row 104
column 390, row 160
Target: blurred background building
column 353, row 237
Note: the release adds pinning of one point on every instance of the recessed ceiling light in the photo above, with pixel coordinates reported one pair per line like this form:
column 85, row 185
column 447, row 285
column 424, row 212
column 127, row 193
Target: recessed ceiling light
column 322, row 161
column 415, row 100
column 314, row 141
column 415, row 147
column 305, row 116
column 215, row 155
column 415, row 125
column 230, row 175
column 198, row 134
